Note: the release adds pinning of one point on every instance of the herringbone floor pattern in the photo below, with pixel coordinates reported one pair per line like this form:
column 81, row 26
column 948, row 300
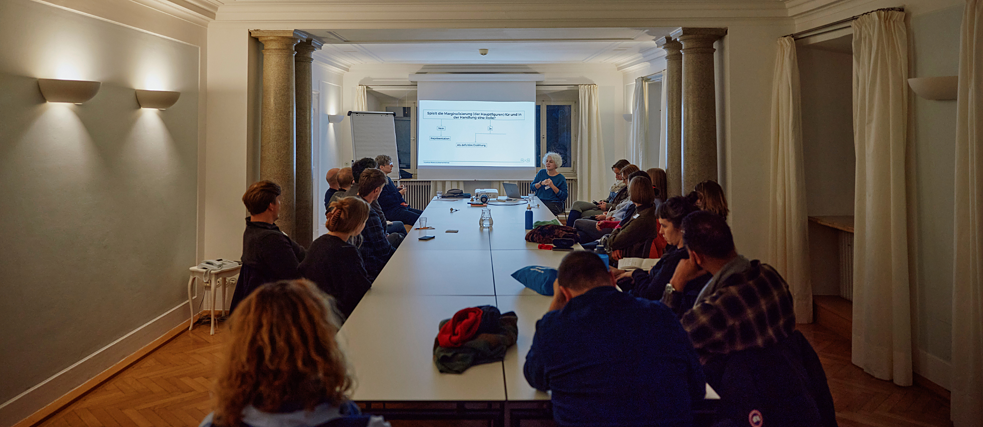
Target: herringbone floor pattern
column 170, row 387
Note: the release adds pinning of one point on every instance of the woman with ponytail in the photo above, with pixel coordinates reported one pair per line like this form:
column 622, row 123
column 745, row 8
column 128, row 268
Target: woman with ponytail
column 334, row 264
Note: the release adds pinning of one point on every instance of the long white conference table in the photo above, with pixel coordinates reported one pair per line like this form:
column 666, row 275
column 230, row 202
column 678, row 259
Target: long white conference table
column 389, row 336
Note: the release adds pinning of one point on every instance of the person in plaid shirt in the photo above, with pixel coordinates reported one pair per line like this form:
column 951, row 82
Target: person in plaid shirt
column 375, row 248
column 745, row 305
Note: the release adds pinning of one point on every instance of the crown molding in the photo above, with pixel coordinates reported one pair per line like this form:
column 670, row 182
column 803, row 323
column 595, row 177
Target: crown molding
column 331, row 64
column 198, row 12
column 493, row 14
column 644, row 58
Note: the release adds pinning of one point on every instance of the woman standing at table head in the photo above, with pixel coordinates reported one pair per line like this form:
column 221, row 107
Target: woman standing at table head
column 334, row 264
column 268, row 254
column 550, row 185
column 283, row 366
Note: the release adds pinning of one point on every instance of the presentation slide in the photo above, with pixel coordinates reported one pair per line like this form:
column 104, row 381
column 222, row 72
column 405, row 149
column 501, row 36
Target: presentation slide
column 476, row 133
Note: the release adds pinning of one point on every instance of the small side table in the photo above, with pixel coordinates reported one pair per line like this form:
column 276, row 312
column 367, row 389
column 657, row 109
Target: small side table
column 218, row 278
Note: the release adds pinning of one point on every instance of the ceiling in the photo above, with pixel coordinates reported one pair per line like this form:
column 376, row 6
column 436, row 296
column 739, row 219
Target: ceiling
column 618, row 46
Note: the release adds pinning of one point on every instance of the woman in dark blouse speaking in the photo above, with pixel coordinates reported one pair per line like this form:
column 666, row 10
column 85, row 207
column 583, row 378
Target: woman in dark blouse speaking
column 334, row 264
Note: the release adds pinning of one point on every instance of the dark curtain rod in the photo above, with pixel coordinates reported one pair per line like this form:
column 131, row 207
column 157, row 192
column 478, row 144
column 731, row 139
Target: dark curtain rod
column 829, row 27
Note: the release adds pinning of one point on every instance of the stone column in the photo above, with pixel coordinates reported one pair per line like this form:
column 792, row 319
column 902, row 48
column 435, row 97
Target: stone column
column 674, row 115
column 277, row 153
column 699, row 104
column 304, row 233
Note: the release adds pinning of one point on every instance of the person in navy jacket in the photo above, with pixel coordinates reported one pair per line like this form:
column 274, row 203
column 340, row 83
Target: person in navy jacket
column 604, row 370
column 393, row 204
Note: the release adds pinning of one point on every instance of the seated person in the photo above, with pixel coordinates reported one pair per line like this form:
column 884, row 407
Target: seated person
column 391, row 200
column 550, row 185
column 633, row 239
column 345, row 181
column 604, row 370
column 332, row 263
column 659, row 183
column 591, row 229
column 332, row 178
column 268, row 254
column 394, row 227
column 283, row 365
column 652, row 284
column 709, row 196
column 375, row 248
column 746, row 304
column 590, row 209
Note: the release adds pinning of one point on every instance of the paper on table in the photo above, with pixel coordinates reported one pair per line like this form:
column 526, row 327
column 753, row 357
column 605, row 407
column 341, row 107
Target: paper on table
column 637, row 263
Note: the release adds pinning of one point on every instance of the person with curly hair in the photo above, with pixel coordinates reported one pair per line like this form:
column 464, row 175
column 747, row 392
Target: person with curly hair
column 283, row 366
column 550, row 185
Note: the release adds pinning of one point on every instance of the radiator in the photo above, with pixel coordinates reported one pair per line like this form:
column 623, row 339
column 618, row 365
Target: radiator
column 846, row 264
column 417, row 193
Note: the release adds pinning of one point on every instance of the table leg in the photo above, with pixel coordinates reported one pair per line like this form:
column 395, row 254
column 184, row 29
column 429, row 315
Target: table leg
column 191, row 304
column 214, row 291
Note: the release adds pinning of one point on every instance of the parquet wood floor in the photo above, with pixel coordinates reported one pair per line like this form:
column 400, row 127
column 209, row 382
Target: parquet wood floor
column 171, row 387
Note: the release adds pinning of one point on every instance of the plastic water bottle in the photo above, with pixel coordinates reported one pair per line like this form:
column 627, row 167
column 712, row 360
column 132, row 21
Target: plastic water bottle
column 603, row 254
column 529, row 217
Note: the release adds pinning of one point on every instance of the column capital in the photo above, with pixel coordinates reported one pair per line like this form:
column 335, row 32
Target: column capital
column 278, row 39
column 671, row 46
column 698, row 40
column 305, row 49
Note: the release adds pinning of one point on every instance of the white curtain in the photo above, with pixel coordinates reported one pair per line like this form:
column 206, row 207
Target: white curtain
column 967, row 286
column 789, row 222
column 664, row 123
column 592, row 169
column 361, row 100
column 881, row 298
column 639, row 123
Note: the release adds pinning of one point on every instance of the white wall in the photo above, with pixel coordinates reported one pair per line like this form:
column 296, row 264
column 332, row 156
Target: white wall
column 101, row 224
column 328, row 81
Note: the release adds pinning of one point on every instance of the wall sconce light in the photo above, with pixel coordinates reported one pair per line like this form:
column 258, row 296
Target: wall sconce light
column 73, row 91
column 159, row 99
column 627, row 117
column 335, row 118
column 937, row 88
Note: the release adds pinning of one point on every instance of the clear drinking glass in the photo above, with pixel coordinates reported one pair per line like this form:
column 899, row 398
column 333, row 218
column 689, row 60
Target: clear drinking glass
column 422, row 222
column 440, row 194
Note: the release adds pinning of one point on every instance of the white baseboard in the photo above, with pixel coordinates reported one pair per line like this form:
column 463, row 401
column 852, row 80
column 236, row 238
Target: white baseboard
column 934, row 369
column 64, row 382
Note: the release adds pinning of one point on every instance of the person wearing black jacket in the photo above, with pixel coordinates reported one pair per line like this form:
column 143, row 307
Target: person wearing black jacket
column 652, row 284
column 334, row 264
column 268, row 254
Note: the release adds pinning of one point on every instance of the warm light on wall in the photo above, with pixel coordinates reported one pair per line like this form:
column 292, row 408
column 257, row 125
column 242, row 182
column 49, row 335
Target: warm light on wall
column 73, row 91
column 159, row 99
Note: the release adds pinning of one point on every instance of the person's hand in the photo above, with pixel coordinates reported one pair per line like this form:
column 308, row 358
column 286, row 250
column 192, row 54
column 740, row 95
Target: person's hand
column 597, row 226
column 600, row 217
column 548, row 182
column 623, row 275
column 686, row 270
column 404, row 204
column 617, row 272
column 402, row 190
column 559, row 299
column 616, row 255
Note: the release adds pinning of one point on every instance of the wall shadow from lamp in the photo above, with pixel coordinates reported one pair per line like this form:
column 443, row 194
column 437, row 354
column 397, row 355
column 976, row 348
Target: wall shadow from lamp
column 159, row 99
column 71, row 91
